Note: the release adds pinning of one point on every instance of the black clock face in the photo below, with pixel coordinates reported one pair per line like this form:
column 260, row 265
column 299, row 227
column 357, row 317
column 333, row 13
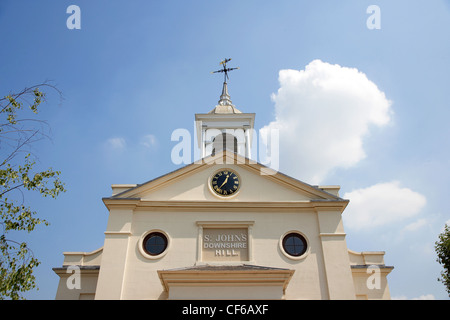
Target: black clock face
column 225, row 182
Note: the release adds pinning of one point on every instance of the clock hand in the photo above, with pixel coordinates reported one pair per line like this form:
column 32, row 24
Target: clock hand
column 226, row 179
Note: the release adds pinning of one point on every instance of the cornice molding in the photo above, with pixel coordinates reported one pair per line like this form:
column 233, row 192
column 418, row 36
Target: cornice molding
column 146, row 205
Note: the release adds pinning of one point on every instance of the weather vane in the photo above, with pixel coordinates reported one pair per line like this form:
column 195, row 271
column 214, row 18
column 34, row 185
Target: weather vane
column 225, row 69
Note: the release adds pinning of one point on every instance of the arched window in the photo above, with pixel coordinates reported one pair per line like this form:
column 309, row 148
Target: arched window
column 224, row 141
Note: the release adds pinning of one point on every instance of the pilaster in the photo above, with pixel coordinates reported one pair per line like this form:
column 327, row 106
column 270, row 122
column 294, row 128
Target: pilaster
column 115, row 253
column 335, row 255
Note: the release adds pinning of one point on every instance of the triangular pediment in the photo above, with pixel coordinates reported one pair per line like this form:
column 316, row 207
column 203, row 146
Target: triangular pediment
column 258, row 183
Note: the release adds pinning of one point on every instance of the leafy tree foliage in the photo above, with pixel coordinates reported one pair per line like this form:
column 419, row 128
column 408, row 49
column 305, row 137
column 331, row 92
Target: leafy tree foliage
column 18, row 177
column 442, row 248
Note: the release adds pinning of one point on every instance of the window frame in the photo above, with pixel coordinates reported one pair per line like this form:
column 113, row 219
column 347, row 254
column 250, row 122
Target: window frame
column 142, row 244
column 286, row 253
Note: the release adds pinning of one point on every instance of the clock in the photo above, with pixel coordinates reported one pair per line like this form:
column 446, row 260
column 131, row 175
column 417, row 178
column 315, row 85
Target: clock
column 225, row 182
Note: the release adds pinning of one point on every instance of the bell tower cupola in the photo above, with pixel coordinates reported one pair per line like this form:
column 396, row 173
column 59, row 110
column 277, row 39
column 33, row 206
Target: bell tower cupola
column 225, row 127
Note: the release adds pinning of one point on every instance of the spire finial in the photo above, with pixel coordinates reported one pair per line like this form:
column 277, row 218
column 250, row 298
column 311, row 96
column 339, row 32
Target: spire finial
column 225, row 97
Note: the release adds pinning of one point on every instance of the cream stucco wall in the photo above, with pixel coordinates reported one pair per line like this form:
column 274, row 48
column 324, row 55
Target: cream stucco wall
column 142, row 281
column 270, row 206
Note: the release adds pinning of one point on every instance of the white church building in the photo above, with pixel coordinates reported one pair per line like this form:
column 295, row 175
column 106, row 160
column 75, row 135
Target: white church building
column 224, row 227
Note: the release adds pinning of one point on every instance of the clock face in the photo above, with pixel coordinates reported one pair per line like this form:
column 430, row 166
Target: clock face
column 225, row 182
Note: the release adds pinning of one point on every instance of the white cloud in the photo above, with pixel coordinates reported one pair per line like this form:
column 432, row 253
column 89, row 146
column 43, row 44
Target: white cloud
column 414, row 226
column 403, row 297
column 322, row 114
column 422, row 297
column 382, row 204
column 425, row 297
column 116, row 143
column 149, row 141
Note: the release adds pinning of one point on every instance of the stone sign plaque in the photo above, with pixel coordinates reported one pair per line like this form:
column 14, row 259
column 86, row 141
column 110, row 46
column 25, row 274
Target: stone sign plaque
column 225, row 244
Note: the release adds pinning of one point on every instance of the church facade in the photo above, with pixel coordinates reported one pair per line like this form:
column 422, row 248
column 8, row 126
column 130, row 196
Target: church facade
column 224, row 227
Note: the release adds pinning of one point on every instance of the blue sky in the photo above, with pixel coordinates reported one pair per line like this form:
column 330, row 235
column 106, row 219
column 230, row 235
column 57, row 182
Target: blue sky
column 137, row 70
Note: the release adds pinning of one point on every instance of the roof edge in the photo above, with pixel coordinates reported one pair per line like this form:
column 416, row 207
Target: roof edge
column 229, row 157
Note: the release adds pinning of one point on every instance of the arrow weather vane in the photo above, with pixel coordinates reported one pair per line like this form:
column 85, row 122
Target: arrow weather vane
column 225, row 69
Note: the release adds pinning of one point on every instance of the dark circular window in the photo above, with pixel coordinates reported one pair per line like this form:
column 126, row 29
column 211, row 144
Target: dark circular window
column 155, row 243
column 294, row 244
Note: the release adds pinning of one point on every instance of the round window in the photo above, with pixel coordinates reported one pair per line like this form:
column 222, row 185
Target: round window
column 155, row 243
column 294, row 244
